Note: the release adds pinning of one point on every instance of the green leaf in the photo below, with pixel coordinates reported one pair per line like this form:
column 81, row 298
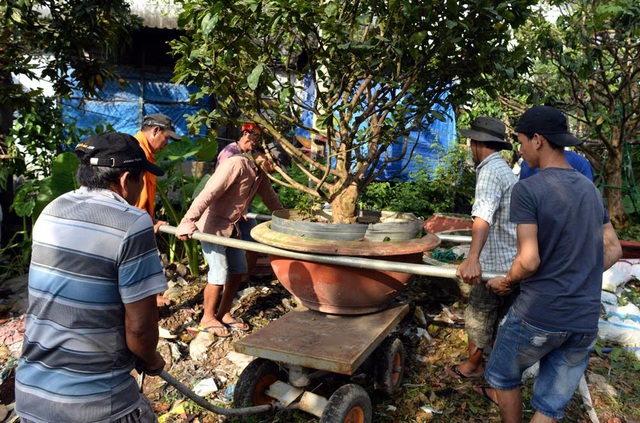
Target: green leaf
column 615, row 354
column 254, row 76
column 16, row 16
column 208, row 24
column 418, row 37
column 331, row 9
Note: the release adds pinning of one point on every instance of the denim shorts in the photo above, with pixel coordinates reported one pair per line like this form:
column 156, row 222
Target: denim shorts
column 223, row 261
column 563, row 358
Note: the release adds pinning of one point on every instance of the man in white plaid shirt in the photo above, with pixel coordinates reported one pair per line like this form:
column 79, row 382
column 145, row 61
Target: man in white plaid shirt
column 493, row 241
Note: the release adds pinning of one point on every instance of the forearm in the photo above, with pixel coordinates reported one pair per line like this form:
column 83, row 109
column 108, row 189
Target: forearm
column 479, row 235
column 141, row 329
column 524, row 265
column 612, row 247
column 521, row 270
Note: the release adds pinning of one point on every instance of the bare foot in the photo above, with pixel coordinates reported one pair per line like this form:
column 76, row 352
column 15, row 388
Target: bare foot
column 162, row 301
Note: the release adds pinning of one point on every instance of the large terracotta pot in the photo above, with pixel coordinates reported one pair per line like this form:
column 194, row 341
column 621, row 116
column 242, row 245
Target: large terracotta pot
column 342, row 289
column 440, row 222
column 630, row 249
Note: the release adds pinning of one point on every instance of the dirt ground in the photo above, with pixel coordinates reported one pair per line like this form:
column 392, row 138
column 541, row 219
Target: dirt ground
column 431, row 342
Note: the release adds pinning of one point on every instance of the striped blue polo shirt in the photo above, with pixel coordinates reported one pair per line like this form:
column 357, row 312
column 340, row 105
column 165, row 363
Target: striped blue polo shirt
column 92, row 253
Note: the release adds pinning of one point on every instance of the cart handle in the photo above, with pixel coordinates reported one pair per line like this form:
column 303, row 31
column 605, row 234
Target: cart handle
column 359, row 262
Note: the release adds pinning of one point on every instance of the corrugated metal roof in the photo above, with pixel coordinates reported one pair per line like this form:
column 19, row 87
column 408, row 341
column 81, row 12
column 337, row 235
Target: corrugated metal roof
column 156, row 13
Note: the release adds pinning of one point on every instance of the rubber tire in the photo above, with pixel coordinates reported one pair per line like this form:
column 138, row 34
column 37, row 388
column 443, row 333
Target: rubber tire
column 349, row 404
column 390, row 365
column 253, row 382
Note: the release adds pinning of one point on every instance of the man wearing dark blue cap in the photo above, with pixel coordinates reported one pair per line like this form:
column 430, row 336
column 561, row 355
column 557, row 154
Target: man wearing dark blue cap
column 565, row 242
column 93, row 281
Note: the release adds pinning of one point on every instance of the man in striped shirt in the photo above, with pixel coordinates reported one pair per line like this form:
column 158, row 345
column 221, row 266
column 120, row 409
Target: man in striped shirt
column 93, row 281
column 493, row 241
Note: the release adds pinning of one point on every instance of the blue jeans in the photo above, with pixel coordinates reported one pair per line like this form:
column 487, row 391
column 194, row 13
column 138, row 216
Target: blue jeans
column 563, row 359
column 222, row 262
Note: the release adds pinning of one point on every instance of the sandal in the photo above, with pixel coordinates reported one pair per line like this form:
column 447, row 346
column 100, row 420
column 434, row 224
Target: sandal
column 482, row 390
column 238, row 325
column 455, row 373
column 220, row 331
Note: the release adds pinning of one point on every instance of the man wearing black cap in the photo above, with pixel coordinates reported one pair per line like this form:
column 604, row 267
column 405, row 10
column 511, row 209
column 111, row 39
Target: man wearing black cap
column 154, row 135
column 493, row 241
column 565, row 242
column 93, row 281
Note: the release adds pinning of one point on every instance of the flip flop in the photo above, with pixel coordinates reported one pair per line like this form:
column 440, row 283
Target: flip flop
column 455, row 373
column 211, row 329
column 238, row 325
column 482, row 390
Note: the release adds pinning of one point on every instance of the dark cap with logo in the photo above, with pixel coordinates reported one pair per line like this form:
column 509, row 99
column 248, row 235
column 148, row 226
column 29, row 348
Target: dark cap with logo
column 115, row 149
column 487, row 129
column 549, row 122
column 162, row 121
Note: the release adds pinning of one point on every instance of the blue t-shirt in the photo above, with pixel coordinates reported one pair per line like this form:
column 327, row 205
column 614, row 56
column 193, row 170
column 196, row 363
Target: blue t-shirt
column 575, row 160
column 564, row 293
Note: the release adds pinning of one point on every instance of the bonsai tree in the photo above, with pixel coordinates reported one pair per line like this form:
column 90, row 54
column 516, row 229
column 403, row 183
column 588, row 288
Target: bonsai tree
column 359, row 75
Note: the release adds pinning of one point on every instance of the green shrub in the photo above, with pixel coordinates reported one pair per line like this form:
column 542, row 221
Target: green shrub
column 449, row 188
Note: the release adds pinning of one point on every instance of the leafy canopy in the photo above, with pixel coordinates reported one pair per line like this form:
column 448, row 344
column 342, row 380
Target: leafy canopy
column 378, row 69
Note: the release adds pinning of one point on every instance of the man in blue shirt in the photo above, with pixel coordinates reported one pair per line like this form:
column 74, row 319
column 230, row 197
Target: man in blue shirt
column 575, row 160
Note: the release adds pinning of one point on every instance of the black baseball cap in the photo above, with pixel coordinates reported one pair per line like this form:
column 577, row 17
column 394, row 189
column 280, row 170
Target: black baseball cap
column 549, row 122
column 162, row 121
column 115, row 149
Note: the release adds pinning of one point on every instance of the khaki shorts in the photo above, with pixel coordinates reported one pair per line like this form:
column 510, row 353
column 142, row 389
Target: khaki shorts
column 484, row 312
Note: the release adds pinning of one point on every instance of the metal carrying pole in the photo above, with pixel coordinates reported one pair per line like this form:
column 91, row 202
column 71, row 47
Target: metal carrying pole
column 359, row 262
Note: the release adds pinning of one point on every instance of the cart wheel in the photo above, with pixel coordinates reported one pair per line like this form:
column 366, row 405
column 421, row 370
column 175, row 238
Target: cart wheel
column 389, row 368
column 254, row 381
column 349, row 404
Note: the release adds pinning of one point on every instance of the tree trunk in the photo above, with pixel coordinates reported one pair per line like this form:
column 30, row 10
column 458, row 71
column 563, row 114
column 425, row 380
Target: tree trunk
column 343, row 207
column 613, row 191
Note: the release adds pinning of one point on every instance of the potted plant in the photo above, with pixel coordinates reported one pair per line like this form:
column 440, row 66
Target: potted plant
column 357, row 77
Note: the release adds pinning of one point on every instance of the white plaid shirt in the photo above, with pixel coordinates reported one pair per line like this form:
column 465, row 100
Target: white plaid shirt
column 494, row 182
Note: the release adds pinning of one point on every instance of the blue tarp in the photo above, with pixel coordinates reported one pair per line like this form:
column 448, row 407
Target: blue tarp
column 152, row 92
column 125, row 107
column 432, row 143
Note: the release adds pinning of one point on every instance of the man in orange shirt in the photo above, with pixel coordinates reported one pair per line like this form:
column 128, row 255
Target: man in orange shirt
column 153, row 137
